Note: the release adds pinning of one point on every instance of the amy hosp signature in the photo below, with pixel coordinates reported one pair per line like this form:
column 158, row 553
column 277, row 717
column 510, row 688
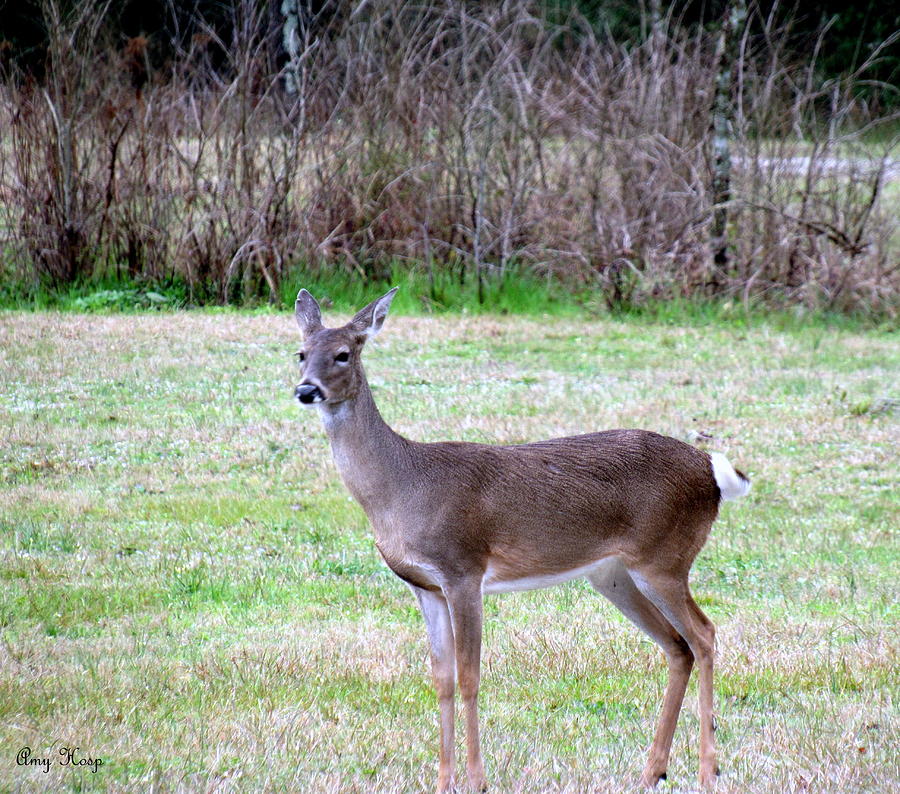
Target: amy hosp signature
column 68, row 756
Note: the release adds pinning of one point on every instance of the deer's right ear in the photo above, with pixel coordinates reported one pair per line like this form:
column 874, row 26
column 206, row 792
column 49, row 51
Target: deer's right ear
column 307, row 313
column 368, row 321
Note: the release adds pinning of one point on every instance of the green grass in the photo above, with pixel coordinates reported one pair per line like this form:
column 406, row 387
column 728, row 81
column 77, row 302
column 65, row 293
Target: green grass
column 515, row 291
column 188, row 592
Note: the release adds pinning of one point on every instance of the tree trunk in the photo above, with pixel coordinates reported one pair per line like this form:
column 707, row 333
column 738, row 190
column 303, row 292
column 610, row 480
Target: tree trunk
column 290, row 9
column 726, row 56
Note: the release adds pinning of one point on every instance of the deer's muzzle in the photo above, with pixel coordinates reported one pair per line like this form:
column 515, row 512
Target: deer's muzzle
column 309, row 393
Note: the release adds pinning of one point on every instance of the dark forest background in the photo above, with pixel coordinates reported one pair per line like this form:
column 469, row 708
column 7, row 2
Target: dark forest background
column 855, row 29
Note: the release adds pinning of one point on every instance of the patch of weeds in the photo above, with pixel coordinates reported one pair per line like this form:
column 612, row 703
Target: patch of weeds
column 102, row 294
column 16, row 472
column 189, row 582
column 875, row 407
column 313, row 536
column 44, row 596
column 37, row 538
column 121, row 300
column 341, row 566
column 738, row 570
column 863, row 405
column 34, row 537
column 234, row 590
column 608, row 709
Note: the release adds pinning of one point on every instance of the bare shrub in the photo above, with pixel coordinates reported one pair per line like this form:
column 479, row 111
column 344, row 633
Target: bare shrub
column 810, row 223
column 60, row 133
column 233, row 168
column 465, row 137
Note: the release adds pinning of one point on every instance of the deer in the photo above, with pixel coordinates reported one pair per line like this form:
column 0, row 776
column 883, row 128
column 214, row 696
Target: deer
column 627, row 509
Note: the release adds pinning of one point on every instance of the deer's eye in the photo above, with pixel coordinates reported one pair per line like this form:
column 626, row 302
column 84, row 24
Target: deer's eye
column 343, row 357
column 301, row 356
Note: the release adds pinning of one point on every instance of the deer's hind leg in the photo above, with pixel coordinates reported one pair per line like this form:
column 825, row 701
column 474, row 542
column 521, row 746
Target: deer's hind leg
column 671, row 596
column 614, row 582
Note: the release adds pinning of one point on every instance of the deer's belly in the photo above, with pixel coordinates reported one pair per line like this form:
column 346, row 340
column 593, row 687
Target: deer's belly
column 498, row 581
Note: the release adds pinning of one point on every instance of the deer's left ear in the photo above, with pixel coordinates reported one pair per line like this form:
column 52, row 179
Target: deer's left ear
column 307, row 313
column 368, row 321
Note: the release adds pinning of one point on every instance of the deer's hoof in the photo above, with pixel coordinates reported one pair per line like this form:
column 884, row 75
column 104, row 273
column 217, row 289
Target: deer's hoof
column 651, row 777
column 654, row 770
column 709, row 777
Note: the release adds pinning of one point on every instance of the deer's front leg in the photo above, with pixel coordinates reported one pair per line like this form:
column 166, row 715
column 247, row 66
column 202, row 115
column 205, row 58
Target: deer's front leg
column 443, row 668
column 465, row 605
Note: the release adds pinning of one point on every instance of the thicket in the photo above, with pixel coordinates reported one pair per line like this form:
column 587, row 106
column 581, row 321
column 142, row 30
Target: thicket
column 461, row 141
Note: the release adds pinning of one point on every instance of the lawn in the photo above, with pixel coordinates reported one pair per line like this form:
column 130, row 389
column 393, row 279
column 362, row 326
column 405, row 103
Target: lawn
column 190, row 595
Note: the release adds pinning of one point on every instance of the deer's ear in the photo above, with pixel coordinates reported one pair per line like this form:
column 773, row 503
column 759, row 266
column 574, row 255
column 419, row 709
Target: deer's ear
column 307, row 313
column 368, row 321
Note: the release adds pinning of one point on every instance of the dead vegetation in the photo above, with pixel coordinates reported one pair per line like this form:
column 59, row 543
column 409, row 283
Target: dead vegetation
column 466, row 138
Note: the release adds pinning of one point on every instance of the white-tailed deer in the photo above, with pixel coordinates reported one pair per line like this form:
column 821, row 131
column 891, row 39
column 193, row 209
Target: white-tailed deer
column 628, row 509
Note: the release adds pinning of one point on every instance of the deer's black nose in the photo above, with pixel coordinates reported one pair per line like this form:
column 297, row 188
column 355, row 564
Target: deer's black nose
column 308, row 394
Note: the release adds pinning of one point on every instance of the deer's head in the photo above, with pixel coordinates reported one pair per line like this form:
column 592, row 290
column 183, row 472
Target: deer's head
column 330, row 357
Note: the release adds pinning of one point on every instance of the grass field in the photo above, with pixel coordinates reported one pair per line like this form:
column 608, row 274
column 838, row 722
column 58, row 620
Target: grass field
column 190, row 595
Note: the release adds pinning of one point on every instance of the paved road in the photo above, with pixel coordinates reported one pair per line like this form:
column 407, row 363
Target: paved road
column 829, row 165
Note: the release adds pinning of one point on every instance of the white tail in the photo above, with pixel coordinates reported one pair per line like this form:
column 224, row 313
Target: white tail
column 732, row 483
column 628, row 509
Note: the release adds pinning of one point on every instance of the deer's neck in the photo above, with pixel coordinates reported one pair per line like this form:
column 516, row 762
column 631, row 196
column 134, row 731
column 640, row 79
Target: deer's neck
column 368, row 454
